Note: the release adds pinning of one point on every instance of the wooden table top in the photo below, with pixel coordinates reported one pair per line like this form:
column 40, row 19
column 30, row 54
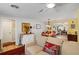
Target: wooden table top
column 10, row 47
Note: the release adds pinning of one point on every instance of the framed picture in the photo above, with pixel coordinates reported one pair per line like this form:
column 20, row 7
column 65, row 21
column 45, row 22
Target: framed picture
column 38, row 26
column 25, row 27
column 73, row 26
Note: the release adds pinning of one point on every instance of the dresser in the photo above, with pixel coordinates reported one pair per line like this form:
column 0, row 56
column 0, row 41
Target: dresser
column 13, row 50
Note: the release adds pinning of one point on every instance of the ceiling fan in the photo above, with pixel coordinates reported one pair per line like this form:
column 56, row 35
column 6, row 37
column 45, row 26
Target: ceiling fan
column 55, row 6
column 48, row 6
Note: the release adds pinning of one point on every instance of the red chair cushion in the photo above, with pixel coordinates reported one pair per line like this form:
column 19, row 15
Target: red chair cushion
column 52, row 49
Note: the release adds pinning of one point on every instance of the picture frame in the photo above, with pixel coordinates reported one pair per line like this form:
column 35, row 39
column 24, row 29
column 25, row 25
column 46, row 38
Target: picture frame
column 73, row 26
column 38, row 26
column 25, row 27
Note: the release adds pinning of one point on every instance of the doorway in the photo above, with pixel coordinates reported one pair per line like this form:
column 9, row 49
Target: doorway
column 8, row 31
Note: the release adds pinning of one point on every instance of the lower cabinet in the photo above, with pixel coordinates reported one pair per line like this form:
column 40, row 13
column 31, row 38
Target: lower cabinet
column 27, row 38
column 72, row 37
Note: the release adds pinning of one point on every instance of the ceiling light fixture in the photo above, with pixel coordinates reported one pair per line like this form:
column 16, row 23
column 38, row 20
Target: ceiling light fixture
column 50, row 5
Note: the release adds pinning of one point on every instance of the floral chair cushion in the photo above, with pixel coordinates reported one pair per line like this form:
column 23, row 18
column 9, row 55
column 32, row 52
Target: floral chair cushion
column 52, row 49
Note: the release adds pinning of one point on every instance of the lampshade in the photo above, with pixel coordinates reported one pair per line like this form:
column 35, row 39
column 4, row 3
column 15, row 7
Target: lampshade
column 48, row 26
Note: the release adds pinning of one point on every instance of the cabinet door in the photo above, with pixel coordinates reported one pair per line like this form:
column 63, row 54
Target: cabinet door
column 27, row 38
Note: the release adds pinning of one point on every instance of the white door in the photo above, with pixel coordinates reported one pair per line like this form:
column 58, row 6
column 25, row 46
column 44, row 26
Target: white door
column 8, row 30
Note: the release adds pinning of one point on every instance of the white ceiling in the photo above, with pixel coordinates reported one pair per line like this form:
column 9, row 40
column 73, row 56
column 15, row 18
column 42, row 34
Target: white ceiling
column 32, row 10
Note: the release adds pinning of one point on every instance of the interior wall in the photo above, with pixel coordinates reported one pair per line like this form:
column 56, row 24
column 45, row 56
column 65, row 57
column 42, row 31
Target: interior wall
column 33, row 23
column 18, row 27
column 0, row 30
column 18, row 30
column 19, row 21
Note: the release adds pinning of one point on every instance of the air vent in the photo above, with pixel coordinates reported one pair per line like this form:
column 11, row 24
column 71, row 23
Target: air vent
column 14, row 6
